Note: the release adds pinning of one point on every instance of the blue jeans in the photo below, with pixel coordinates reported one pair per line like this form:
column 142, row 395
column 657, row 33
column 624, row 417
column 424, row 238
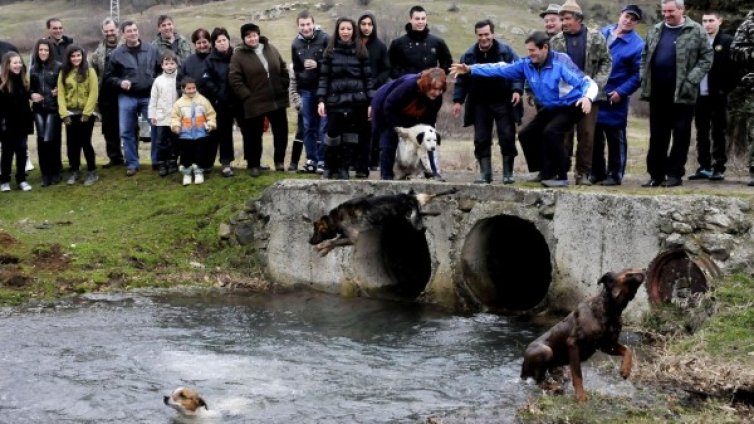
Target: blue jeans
column 128, row 109
column 315, row 126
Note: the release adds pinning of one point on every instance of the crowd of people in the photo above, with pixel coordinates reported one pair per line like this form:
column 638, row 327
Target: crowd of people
column 350, row 90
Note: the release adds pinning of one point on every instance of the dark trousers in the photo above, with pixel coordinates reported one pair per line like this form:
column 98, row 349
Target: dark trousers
column 13, row 146
column 388, row 145
column 584, row 133
column 167, row 149
column 353, row 130
column 79, row 137
column 543, row 140
column 710, row 117
column 501, row 114
column 222, row 137
column 298, row 139
column 668, row 119
column 110, row 130
column 617, row 150
column 252, row 130
column 49, row 135
column 191, row 150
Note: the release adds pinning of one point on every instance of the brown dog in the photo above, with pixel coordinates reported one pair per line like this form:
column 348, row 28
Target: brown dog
column 595, row 324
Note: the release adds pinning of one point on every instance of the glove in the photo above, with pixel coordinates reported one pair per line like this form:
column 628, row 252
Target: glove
column 84, row 118
column 67, row 120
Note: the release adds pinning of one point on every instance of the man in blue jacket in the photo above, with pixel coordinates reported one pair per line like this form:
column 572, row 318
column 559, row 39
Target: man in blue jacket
column 490, row 101
column 625, row 48
column 564, row 92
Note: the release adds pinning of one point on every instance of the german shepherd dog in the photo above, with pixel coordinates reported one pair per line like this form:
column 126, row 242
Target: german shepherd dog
column 342, row 226
column 595, row 324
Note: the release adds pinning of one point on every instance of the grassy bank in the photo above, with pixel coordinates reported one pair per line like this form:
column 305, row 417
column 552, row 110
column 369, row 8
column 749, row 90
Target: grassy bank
column 120, row 233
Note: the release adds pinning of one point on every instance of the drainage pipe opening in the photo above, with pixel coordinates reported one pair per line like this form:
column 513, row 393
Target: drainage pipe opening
column 393, row 260
column 678, row 274
column 506, row 263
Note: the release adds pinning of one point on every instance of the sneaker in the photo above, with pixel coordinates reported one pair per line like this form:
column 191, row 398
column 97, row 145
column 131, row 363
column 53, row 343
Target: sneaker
column 130, row 172
column 610, row 181
column 198, row 175
column 701, row 174
column 320, row 168
column 653, row 183
column 717, row 176
column 555, row 183
column 72, row 178
column 310, row 167
column 186, row 175
column 5, row 187
column 112, row 163
column 582, row 179
column 91, row 178
column 24, row 186
column 227, row 171
column 29, row 167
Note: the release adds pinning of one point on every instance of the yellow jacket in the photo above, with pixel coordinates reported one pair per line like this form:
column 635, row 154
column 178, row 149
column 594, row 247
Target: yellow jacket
column 77, row 98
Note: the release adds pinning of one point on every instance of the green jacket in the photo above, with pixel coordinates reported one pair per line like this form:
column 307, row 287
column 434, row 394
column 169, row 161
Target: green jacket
column 180, row 46
column 598, row 62
column 693, row 59
column 77, row 98
column 742, row 48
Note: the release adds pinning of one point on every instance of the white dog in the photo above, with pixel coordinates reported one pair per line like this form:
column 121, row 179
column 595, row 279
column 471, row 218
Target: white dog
column 412, row 155
column 186, row 401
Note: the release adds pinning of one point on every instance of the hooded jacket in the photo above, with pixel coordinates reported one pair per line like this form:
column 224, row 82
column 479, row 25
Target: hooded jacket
column 345, row 81
column 258, row 90
column 308, row 48
column 416, row 51
column 378, row 58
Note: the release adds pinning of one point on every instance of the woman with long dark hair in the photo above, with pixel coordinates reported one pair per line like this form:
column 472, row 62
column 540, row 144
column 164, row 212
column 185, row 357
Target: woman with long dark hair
column 77, row 97
column 16, row 120
column 43, row 80
column 345, row 89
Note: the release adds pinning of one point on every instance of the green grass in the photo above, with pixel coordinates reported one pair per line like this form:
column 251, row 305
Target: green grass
column 121, row 232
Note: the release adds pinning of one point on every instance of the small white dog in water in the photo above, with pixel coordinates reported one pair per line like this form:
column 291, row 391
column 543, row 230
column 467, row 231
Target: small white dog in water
column 412, row 154
column 186, row 401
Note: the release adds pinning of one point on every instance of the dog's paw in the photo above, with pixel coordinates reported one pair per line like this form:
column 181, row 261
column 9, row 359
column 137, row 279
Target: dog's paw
column 625, row 371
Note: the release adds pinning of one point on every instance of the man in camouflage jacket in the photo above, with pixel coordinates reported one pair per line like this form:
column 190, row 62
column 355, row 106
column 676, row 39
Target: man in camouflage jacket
column 675, row 58
column 107, row 103
column 587, row 48
column 742, row 53
column 169, row 39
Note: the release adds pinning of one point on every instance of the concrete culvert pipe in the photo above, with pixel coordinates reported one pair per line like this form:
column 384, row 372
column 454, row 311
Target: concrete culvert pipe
column 393, row 260
column 678, row 274
column 506, row 264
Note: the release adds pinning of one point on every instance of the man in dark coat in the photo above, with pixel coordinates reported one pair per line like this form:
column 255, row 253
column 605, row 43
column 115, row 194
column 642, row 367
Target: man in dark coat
column 710, row 114
column 488, row 101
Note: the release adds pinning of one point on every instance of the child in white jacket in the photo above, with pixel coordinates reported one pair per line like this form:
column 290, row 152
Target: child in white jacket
column 161, row 101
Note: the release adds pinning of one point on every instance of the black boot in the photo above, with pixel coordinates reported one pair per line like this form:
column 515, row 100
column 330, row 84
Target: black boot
column 485, row 171
column 508, row 170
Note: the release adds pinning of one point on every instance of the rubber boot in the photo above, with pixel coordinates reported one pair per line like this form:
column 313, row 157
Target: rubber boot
column 485, row 171
column 508, row 170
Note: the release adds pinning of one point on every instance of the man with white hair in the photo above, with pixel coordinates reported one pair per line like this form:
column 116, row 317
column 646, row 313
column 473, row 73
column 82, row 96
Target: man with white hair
column 675, row 58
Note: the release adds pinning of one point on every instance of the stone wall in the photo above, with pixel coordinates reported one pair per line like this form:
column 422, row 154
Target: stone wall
column 489, row 245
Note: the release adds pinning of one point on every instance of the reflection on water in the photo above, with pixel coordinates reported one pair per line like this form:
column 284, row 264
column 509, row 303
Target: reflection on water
column 258, row 359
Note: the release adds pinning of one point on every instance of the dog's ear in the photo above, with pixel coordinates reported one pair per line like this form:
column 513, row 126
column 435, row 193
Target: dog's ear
column 306, row 218
column 608, row 280
column 401, row 131
column 420, row 137
column 203, row 403
column 438, row 137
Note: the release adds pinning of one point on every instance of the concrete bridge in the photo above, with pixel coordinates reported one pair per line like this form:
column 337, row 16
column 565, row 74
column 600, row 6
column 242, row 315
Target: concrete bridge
column 501, row 248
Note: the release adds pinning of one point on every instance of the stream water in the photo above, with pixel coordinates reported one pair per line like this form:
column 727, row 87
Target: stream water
column 255, row 358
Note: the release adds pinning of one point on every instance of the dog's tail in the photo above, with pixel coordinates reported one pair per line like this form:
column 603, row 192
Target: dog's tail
column 425, row 198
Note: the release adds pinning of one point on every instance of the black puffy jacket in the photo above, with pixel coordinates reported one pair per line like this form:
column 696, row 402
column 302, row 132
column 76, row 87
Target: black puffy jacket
column 214, row 82
column 345, row 80
column 417, row 51
column 42, row 80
